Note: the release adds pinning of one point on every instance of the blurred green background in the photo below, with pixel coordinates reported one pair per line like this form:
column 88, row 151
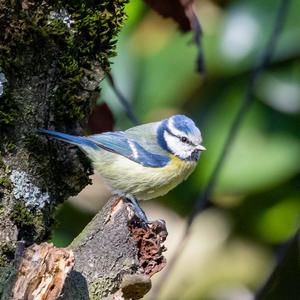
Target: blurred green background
column 257, row 197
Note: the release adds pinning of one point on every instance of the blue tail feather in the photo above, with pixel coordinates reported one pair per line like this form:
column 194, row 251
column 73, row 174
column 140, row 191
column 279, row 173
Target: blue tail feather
column 72, row 139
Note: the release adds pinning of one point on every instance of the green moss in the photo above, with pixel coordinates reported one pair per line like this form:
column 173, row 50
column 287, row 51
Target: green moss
column 3, row 261
column 90, row 37
column 31, row 223
column 4, row 182
column 10, row 147
column 7, row 252
column 8, row 110
column 22, row 216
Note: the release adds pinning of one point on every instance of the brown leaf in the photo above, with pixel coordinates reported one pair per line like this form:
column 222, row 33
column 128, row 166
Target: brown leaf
column 101, row 119
column 172, row 9
column 183, row 13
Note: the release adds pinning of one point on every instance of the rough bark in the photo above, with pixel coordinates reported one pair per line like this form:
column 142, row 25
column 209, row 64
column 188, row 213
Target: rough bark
column 113, row 258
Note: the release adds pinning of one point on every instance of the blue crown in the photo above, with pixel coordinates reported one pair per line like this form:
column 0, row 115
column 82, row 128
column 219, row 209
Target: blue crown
column 185, row 124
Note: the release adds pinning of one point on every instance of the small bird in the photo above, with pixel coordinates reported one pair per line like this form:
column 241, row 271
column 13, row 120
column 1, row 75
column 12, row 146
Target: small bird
column 145, row 161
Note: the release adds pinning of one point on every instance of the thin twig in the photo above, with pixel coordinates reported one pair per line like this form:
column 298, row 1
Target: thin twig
column 126, row 105
column 203, row 200
column 198, row 34
column 280, row 259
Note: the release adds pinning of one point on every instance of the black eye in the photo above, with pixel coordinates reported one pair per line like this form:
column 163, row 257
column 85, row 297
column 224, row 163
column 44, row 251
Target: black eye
column 183, row 139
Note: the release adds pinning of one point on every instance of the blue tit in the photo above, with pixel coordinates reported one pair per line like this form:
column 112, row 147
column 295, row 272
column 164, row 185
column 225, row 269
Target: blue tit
column 145, row 161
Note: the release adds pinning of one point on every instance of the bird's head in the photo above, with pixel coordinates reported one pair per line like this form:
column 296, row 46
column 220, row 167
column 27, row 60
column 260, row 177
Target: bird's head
column 180, row 136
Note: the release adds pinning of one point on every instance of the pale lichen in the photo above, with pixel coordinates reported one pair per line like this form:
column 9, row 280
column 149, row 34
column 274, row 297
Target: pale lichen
column 61, row 15
column 24, row 189
column 2, row 81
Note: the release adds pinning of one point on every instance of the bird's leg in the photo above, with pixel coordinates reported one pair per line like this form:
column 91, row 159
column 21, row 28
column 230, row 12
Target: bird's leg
column 140, row 213
column 134, row 202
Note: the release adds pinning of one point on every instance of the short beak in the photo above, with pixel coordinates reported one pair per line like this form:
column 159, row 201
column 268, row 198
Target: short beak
column 201, row 148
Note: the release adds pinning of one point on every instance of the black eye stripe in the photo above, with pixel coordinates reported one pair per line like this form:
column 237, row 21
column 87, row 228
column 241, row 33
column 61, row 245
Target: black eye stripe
column 180, row 138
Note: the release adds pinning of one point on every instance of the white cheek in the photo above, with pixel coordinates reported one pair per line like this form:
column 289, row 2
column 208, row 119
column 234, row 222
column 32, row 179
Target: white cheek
column 178, row 148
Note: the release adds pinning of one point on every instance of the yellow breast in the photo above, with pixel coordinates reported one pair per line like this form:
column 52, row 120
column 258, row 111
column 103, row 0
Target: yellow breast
column 142, row 182
column 173, row 174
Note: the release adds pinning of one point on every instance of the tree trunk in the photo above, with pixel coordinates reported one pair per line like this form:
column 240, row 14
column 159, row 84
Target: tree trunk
column 53, row 55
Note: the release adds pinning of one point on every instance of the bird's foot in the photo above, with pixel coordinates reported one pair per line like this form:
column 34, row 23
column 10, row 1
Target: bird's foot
column 134, row 202
column 139, row 211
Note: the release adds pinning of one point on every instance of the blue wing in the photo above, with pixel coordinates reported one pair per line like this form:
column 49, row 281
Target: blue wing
column 119, row 143
column 116, row 142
